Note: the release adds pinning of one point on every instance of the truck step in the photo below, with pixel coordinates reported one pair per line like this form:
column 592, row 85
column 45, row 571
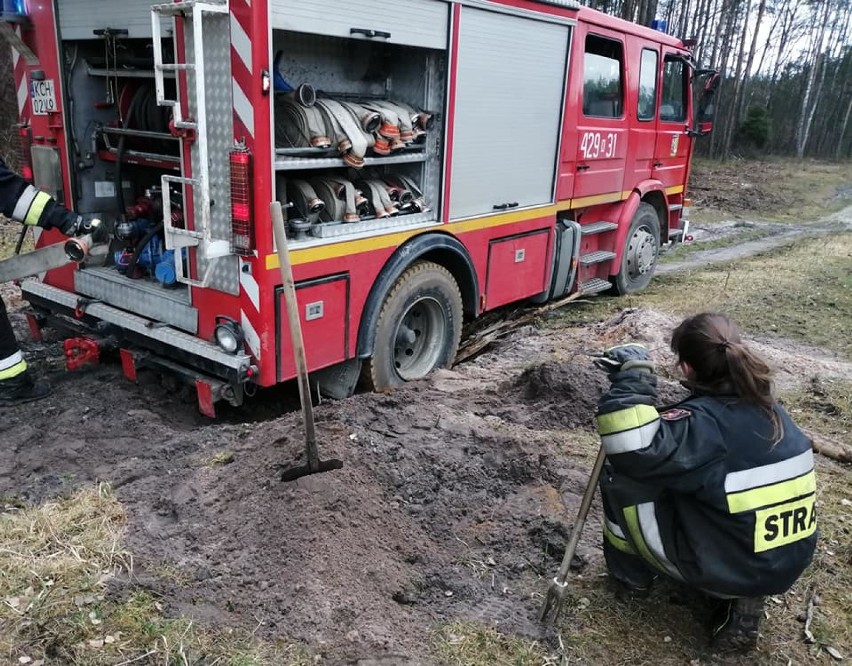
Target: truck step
column 598, row 257
column 597, row 228
column 594, row 286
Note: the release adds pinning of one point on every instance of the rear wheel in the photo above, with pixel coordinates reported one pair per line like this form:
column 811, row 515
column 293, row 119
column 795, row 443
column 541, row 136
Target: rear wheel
column 641, row 251
column 419, row 327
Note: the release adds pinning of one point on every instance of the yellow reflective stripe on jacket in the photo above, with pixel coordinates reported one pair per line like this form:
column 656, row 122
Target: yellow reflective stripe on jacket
column 631, row 517
column 785, row 491
column 14, row 370
column 784, row 524
column 628, row 429
column 764, row 475
column 618, row 542
column 34, row 214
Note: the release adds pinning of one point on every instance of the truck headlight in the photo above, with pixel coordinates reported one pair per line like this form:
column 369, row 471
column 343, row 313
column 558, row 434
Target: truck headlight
column 229, row 334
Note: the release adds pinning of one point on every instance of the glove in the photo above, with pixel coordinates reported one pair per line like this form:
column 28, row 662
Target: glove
column 631, row 356
column 80, row 225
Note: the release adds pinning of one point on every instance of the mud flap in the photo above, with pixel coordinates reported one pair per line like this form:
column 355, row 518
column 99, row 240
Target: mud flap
column 209, row 390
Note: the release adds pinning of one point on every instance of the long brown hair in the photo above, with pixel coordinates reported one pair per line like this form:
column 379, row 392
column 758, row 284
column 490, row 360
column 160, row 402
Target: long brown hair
column 711, row 345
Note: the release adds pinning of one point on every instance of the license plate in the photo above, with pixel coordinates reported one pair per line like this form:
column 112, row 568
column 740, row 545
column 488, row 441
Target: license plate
column 43, row 94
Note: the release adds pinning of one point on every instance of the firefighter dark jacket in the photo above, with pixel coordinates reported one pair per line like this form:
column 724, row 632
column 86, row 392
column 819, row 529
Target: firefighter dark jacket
column 22, row 202
column 702, row 494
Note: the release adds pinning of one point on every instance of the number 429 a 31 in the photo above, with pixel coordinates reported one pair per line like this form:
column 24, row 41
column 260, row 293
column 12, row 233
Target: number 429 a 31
column 596, row 145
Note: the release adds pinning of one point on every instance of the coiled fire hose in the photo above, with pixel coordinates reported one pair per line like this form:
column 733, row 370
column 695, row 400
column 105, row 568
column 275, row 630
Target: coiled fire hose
column 379, row 197
column 300, row 126
column 305, row 199
column 337, row 207
column 352, row 141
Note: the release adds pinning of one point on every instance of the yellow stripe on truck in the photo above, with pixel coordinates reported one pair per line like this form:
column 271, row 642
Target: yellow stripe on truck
column 347, row 248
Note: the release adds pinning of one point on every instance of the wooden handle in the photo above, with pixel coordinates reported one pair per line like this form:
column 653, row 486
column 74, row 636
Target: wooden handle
column 295, row 326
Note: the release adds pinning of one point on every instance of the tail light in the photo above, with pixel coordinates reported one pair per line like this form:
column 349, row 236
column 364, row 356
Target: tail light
column 242, row 223
column 25, row 156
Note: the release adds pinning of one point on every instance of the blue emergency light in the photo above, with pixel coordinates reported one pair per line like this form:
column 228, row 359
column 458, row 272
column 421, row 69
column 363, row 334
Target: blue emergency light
column 660, row 25
column 15, row 8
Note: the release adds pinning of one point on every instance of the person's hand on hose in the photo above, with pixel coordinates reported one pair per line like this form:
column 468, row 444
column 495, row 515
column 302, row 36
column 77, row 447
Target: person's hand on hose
column 630, row 356
column 79, row 225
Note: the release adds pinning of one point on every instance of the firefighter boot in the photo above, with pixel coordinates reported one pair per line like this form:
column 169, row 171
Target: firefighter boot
column 22, row 388
column 736, row 628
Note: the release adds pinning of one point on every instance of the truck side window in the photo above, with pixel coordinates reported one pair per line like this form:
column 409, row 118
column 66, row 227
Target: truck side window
column 675, row 85
column 602, row 89
column 647, row 105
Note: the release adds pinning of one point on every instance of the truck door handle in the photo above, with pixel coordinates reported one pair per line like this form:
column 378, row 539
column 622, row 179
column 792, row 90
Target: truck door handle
column 657, row 165
column 367, row 32
column 504, row 206
column 583, row 167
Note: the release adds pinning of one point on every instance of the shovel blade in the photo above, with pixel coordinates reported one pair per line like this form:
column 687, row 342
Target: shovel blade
column 306, row 470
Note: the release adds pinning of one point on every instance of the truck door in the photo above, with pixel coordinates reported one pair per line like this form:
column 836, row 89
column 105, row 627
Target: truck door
column 643, row 128
column 601, row 118
column 509, row 92
column 673, row 144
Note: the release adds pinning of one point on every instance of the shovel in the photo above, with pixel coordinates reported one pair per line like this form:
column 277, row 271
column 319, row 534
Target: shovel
column 559, row 587
column 314, row 465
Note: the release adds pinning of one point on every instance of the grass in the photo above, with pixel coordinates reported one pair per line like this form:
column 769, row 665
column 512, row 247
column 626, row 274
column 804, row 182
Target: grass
column 803, row 292
column 56, row 562
column 785, row 190
column 823, row 406
column 471, row 644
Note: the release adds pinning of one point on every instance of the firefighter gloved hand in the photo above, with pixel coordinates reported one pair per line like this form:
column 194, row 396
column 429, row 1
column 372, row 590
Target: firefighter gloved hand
column 631, row 356
column 80, row 225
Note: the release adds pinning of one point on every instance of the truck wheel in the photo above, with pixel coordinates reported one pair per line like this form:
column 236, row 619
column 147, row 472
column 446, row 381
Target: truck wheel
column 641, row 251
column 419, row 327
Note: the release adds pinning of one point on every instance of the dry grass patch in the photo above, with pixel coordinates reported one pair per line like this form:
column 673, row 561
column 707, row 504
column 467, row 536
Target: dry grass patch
column 470, row 644
column 56, row 561
column 786, row 190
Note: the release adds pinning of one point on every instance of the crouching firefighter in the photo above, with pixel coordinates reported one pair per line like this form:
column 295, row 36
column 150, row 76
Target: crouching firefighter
column 716, row 492
column 22, row 202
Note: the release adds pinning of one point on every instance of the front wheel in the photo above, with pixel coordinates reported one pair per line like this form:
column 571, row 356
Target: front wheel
column 641, row 251
column 419, row 327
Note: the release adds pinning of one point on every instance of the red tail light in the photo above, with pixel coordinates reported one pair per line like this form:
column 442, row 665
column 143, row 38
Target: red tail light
column 25, row 145
column 242, row 223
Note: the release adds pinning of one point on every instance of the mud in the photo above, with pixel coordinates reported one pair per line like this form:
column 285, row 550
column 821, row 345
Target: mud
column 455, row 501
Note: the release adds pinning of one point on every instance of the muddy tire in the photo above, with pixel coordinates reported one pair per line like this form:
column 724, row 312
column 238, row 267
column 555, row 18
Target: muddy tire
column 641, row 251
column 418, row 329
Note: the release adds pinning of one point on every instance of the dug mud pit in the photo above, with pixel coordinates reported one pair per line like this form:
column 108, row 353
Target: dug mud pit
column 455, row 501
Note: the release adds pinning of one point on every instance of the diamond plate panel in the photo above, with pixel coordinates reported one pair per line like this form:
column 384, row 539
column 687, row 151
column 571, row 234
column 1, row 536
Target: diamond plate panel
column 225, row 275
column 140, row 297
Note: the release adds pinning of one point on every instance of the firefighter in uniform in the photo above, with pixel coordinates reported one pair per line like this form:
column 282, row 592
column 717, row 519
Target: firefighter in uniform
column 22, row 202
column 716, row 492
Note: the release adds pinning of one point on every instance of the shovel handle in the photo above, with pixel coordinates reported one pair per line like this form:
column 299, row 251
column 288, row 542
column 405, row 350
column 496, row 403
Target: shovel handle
column 295, row 326
column 577, row 529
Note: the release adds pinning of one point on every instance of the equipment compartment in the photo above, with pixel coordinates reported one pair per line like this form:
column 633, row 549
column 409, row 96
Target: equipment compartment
column 517, row 267
column 358, row 134
column 422, row 23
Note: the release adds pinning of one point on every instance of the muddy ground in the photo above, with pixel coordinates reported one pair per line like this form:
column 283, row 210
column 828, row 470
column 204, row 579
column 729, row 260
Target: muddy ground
column 454, row 502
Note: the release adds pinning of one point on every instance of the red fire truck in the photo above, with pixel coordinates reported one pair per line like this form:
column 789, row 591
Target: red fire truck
column 437, row 159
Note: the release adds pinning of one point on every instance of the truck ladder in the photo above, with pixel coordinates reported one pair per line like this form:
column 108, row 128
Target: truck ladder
column 200, row 237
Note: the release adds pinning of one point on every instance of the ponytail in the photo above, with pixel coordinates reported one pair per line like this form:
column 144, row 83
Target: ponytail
column 711, row 345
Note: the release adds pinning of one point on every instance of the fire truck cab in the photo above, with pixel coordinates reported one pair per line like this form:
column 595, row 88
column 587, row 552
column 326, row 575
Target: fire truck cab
column 436, row 159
